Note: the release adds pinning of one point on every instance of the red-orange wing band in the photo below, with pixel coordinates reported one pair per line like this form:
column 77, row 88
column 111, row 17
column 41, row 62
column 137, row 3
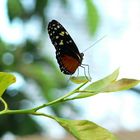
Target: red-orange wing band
column 68, row 64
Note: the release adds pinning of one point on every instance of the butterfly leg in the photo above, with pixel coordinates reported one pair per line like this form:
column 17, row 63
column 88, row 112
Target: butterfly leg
column 77, row 72
column 85, row 72
column 83, row 66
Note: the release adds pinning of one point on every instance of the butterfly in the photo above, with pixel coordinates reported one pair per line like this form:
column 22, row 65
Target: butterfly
column 67, row 54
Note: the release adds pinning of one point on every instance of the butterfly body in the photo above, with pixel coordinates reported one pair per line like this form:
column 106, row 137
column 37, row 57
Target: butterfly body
column 67, row 54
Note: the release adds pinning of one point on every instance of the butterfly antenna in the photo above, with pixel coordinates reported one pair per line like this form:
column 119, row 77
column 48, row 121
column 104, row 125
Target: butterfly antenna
column 95, row 43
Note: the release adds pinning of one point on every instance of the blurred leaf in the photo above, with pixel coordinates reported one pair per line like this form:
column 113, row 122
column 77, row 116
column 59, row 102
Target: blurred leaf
column 85, row 130
column 19, row 125
column 6, row 79
column 64, row 2
column 40, row 6
column 122, row 84
column 92, row 16
column 15, row 9
column 38, row 73
column 40, row 11
column 14, row 123
column 79, row 79
column 43, row 76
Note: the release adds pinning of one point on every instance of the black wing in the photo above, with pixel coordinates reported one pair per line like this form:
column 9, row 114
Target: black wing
column 62, row 41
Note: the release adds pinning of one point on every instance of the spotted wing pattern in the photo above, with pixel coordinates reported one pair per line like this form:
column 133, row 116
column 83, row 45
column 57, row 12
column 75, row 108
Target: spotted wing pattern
column 67, row 54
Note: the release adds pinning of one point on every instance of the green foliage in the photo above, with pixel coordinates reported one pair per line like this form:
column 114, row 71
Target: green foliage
column 6, row 79
column 92, row 17
column 32, row 65
column 19, row 125
column 85, row 130
column 15, row 9
column 98, row 85
column 80, row 129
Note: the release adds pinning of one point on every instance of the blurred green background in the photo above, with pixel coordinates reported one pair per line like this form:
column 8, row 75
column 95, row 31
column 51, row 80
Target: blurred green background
column 27, row 52
column 38, row 76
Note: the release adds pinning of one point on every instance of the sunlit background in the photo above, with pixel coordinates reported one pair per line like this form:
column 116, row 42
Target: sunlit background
column 27, row 52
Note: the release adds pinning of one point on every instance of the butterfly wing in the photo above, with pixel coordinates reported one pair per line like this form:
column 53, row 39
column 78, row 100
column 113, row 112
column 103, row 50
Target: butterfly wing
column 67, row 53
column 68, row 64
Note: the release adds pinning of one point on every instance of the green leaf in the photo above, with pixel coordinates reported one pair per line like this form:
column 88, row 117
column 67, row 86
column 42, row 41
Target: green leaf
column 15, row 9
column 84, row 94
column 40, row 6
column 98, row 86
column 92, row 16
column 85, row 130
column 122, row 84
column 79, row 79
column 6, row 79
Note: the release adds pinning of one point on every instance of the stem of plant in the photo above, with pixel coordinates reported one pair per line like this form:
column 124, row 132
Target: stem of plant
column 61, row 99
column 4, row 103
column 33, row 111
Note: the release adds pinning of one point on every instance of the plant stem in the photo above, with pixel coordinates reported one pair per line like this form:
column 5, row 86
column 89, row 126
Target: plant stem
column 24, row 111
column 43, row 114
column 61, row 99
column 33, row 111
column 5, row 104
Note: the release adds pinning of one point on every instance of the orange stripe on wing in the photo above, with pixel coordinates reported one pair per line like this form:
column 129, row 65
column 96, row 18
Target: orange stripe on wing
column 69, row 63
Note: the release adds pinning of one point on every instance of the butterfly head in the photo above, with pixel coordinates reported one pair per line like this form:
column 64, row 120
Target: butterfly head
column 82, row 55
